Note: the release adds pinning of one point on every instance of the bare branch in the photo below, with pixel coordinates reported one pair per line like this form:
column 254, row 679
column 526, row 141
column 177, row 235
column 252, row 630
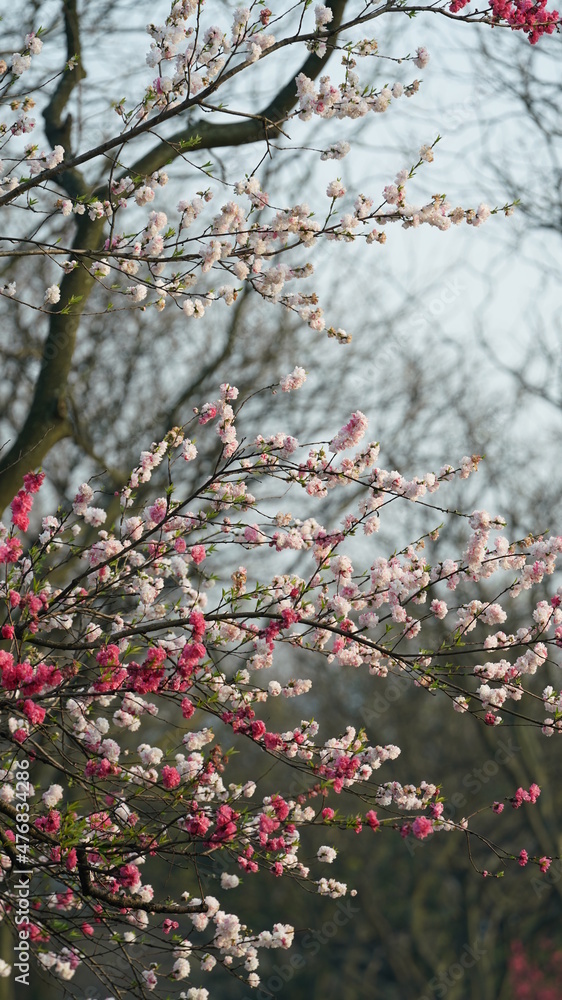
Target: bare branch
column 59, row 131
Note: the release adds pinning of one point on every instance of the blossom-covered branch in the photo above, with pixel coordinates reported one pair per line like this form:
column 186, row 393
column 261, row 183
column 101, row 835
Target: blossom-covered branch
column 143, row 638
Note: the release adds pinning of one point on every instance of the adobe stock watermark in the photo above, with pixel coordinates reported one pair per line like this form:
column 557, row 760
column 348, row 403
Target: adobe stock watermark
column 440, row 985
column 311, row 944
column 396, row 686
column 473, row 781
column 129, row 960
column 24, row 871
column 465, row 112
column 133, row 958
column 424, row 317
column 544, row 882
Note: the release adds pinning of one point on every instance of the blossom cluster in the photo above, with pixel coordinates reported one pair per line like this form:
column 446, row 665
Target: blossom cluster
column 529, row 16
column 240, row 249
column 167, row 656
column 200, row 256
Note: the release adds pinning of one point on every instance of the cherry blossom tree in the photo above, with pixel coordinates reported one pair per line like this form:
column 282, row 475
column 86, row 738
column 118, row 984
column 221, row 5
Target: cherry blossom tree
column 95, row 246
column 154, row 618
column 144, row 592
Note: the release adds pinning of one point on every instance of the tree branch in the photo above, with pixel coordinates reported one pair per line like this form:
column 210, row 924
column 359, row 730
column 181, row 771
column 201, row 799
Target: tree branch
column 59, row 132
column 115, row 899
column 47, row 421
column 218, row 135
column 210, row 135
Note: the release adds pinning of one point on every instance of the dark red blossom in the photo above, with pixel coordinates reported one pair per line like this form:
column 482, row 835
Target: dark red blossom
column 33, row 481
column 21, row 506
column 49, row 823
column 35, row 713
column 371, row 818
